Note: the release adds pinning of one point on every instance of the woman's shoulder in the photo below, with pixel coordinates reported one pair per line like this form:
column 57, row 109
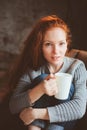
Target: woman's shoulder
column 71, row 60
column 74, row 64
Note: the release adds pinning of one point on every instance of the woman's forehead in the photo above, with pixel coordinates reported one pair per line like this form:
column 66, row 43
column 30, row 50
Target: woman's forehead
column 55, row 33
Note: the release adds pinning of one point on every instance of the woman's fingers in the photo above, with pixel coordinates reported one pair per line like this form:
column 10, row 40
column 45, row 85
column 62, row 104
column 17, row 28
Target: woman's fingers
column 50, row 86
column 50, row 76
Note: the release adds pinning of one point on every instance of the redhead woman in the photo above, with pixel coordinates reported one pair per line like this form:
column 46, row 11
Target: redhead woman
column 44, row 54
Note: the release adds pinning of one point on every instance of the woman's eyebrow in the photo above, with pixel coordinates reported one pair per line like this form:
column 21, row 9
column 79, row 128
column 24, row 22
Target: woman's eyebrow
column 54, row 41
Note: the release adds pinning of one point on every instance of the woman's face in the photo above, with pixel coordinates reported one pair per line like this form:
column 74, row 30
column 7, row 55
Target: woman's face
column 54, row 46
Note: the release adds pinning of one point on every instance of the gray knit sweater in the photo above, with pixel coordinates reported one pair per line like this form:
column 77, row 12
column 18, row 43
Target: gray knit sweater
column 72, row 110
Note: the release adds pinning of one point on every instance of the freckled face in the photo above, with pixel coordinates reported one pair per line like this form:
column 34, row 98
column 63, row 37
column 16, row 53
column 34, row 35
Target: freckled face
column 54, row 46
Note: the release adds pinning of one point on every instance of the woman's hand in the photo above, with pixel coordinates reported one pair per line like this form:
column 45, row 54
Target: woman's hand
column 47, row 86
column 50, row 85
column 27, row 116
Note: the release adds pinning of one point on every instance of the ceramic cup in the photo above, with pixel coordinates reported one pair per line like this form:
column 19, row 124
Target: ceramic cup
column 63, row 82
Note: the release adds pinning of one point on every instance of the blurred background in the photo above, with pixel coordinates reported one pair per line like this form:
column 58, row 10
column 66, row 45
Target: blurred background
column 17, row 18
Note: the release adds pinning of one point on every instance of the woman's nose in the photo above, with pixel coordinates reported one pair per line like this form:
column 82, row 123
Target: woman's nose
column 56, row 49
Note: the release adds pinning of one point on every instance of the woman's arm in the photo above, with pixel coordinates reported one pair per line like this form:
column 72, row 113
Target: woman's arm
column 75, row 108
column 24, row 97
column 71, row 110
column 22, row 94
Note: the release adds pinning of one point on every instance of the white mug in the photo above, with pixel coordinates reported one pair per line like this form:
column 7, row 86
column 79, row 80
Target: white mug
column 63, row 83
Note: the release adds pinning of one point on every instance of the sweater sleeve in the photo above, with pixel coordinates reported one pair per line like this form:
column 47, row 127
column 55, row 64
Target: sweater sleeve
column 20, row 96
column 75, row 108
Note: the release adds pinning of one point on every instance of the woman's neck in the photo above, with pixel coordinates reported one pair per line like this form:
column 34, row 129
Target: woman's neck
column 54, row 68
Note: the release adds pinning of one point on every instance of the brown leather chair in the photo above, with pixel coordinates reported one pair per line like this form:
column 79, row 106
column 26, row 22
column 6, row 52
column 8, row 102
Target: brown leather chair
column 79, row 54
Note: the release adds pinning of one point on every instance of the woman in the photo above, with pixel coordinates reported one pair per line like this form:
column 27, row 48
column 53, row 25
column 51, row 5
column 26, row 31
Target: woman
column 44, row 53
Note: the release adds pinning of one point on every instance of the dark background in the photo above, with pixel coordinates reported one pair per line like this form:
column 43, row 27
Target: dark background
column 18, row 16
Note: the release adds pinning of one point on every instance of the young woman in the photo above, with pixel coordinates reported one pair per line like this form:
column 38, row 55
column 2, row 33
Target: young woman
column 44, row 53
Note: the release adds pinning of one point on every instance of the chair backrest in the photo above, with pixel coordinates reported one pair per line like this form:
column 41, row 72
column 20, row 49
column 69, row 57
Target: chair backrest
column 79, row 54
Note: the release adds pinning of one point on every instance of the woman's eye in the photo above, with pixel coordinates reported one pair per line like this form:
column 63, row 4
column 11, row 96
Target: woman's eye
column 48, row 44
column 62, row 43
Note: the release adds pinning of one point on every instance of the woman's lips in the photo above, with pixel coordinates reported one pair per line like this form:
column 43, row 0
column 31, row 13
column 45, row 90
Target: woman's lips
column 55, row 58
